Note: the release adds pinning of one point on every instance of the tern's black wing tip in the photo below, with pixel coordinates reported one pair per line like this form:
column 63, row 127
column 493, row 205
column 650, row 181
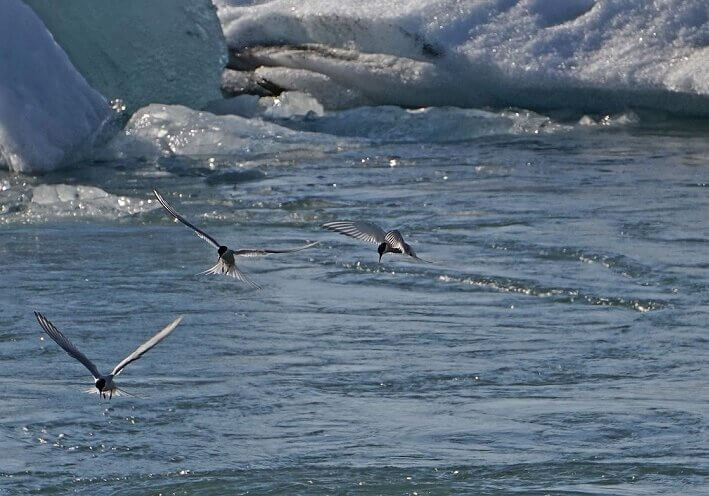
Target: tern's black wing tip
column 40, row 318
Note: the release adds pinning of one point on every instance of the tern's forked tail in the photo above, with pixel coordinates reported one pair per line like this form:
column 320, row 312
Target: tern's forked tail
column 416, row 257
column 217, row 269
column 229, row 270
column 115, row 392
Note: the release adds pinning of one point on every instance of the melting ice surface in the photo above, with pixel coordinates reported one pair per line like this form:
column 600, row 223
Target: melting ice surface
column 286, row 123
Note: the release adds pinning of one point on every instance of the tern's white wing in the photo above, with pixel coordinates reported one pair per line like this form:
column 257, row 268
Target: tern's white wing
column 364, row 231
column 62, row 341
column 147, row 345
column 174, row 213
column 396, row 240
column 261, row 253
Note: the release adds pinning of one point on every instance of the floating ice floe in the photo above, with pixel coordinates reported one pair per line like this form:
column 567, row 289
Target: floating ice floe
column 63, row 200
column 173, row 130
column 296, row 122
column 430, row 124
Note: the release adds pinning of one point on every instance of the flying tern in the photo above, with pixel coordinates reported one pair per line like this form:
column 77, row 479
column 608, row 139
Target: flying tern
column 388, row 242
column 226, row 263
column 104, row 382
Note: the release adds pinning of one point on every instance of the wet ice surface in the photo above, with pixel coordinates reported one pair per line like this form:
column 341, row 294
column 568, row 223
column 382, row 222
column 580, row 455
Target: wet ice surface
column 557, row 345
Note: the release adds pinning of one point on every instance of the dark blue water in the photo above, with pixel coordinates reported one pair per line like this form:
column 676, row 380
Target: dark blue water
column 557, row 346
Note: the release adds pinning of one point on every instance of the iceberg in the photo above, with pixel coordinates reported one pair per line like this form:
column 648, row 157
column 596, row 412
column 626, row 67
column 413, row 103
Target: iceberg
column 589, row 56
column 166, row 51
column 48, row 112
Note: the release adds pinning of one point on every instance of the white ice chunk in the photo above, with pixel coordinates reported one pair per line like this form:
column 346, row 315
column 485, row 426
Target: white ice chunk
column 378, row 78
column 48, row 112
column 290, row 104
column 286, row 105
column 332, row 95
column 72, row 201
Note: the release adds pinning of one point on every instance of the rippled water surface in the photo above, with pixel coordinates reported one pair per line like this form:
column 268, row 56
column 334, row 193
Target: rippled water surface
column 557, row 346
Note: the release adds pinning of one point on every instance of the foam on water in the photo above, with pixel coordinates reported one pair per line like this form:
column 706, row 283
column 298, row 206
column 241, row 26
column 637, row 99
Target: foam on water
column 586, row 55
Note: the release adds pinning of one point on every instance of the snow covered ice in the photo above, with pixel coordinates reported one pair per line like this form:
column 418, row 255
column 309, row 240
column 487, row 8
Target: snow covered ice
column 588, row 55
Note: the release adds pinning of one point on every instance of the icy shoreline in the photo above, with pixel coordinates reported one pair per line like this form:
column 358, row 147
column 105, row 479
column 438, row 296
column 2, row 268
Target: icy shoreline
column 564, row 59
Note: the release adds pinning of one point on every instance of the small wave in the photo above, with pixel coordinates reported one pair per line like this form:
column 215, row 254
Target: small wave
column 558, row 294
column 562, row 295
column 235, row 177
column 308, row 203
column 619, row 264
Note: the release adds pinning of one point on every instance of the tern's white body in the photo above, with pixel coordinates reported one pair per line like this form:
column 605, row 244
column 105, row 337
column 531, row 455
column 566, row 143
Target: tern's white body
column 226, row 264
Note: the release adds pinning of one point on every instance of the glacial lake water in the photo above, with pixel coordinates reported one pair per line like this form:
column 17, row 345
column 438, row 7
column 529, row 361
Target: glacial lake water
column 558, row 344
